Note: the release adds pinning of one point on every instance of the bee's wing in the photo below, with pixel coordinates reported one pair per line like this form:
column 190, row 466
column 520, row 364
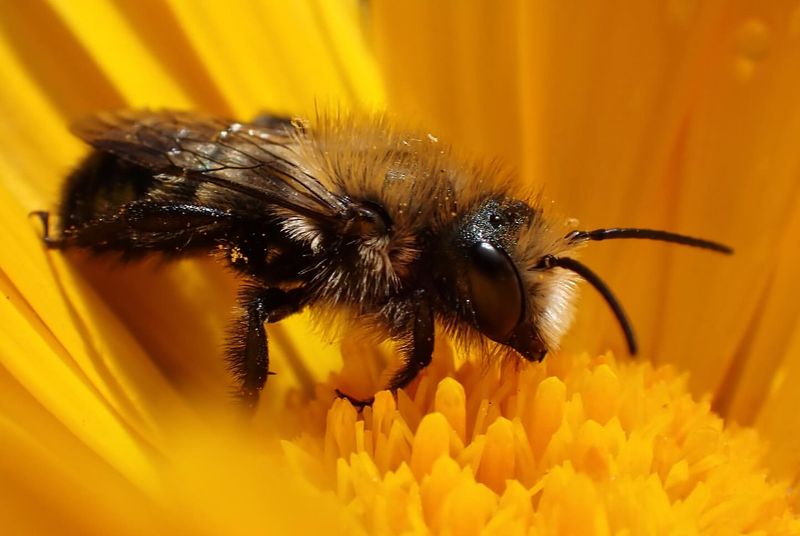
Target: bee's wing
column 258, row 160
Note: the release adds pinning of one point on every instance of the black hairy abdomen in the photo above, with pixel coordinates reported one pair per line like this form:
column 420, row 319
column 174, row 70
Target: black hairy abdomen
column 108, row 206
column 111, row 205
column 99, row 187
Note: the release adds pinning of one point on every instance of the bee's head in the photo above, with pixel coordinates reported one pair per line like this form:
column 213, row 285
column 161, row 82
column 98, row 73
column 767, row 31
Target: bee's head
column 484, row 274
column 511, row 277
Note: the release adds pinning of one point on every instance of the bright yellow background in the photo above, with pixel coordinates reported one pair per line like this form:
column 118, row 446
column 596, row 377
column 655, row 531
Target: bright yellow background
column 676, row 114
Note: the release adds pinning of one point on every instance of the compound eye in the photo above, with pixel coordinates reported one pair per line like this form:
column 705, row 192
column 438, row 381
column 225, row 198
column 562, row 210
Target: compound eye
column 496, row 291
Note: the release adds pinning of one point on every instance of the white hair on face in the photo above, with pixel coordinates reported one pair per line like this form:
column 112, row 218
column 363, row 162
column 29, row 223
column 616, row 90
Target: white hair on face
column 554, row 306
column 551, row 292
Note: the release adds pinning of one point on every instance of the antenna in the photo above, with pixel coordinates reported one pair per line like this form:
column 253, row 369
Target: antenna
column 647, row 234
column 549, row 261
column 567, row 263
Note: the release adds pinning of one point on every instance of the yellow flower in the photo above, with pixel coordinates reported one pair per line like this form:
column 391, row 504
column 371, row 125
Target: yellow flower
column 577, row 446
column 680, row 116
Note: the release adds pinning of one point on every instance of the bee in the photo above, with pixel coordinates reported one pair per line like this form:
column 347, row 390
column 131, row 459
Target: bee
column 393, row 228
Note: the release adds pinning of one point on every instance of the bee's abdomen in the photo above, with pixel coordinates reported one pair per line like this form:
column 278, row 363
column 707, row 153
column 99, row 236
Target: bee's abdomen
column 99, row 186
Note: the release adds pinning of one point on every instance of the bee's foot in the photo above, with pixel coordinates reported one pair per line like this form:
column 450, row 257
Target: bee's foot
column 44, row 217
column 358, row 404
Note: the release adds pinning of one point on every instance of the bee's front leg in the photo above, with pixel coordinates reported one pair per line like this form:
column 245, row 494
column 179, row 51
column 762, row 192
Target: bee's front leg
column 416, row 355
column 247, row 352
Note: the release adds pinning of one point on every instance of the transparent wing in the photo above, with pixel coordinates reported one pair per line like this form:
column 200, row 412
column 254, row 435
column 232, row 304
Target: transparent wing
column 258, row 160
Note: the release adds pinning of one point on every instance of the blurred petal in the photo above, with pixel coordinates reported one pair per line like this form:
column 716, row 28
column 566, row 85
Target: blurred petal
column 106, row 33
column 319, row 57
column 676, row 115
column 78, row 338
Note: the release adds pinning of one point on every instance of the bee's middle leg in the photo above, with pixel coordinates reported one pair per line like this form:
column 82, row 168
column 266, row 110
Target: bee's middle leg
column 247, row 352
column 419, row 354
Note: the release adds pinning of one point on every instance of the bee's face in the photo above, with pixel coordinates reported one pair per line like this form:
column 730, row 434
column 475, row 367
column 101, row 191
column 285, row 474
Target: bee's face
column 483, row 281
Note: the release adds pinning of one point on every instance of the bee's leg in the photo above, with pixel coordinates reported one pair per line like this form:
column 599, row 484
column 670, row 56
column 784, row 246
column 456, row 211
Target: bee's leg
column 416, row 355
column 141, row 227
column 49, row 241
column 247, row 353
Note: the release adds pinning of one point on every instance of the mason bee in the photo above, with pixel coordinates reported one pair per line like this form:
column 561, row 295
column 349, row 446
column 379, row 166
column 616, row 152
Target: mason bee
column 346, row 214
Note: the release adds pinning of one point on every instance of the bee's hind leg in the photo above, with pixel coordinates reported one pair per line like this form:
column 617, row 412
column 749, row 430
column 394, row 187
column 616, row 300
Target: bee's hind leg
column 247, row 352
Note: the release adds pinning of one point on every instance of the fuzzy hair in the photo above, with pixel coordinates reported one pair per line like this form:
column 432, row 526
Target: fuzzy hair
column 424, row 186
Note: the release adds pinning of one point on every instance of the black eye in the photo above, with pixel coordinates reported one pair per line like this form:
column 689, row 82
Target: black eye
column 496, row 220
column 495, row 290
